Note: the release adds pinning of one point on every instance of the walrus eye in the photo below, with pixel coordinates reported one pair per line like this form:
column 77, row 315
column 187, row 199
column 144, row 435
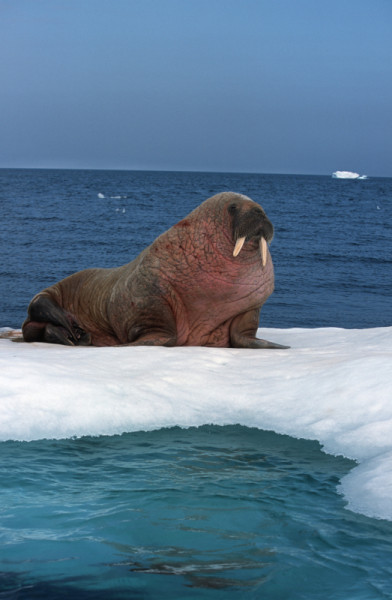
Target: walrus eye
column 232, row 209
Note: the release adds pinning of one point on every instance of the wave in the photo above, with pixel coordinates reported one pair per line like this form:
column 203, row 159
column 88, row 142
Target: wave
column 102, row 196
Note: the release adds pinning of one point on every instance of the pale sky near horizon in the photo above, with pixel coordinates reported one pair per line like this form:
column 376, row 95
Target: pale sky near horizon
column 268, row 86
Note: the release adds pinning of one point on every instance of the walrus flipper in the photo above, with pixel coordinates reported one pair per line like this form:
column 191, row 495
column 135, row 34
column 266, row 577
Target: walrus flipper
column 139, row 336
column 142, row 335
column 153, row 323
column 48, row 322
column 243, row 333
column 154, row 340
column 259, row 344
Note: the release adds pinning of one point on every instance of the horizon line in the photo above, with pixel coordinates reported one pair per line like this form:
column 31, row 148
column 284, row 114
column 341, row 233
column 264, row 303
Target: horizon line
column 161, row 170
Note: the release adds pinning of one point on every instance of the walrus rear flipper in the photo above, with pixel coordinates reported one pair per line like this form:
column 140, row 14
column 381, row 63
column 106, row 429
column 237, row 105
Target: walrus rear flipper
column 243, row 333
column 257, row 343
column 48, row 322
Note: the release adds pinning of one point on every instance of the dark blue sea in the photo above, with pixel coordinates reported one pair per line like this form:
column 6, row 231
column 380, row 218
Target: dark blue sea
column 210, row 512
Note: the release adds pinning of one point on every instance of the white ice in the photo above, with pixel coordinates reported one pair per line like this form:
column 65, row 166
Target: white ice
column 348, row 175
column 333, row 385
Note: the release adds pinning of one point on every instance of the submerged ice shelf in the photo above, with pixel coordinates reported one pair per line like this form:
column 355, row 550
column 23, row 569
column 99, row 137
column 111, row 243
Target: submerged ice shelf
column 333, row 385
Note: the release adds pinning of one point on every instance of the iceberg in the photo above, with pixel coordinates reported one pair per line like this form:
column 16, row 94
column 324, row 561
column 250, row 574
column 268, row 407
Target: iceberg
column 348, row 175
column 333, row 385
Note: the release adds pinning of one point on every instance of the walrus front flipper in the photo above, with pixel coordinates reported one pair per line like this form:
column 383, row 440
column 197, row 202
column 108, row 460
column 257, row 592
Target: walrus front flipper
column 48, row 322
column 154, row 340
column 155, row 326
column 243, row 333
column 153, row 337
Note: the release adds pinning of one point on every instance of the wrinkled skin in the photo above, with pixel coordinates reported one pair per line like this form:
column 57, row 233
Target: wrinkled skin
column 186, row 289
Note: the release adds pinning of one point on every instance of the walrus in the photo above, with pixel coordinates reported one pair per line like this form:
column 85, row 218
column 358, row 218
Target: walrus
column 201, row 283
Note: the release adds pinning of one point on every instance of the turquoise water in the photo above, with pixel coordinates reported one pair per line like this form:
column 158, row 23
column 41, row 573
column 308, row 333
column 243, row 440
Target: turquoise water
column 210, row 512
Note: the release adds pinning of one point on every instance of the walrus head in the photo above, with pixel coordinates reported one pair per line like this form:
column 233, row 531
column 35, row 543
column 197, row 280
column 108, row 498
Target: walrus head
column 250, row 225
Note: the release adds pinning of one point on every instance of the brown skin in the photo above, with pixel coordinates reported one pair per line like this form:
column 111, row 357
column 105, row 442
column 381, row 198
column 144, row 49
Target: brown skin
column 186, row 289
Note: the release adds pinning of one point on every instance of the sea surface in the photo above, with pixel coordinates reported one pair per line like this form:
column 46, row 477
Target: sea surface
column 209, row 512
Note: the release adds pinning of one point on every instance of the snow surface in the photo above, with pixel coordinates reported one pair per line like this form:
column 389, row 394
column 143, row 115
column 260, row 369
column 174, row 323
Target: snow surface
column 333, row 385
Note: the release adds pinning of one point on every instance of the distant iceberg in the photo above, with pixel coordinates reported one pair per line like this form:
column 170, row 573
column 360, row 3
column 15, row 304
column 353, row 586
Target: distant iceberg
column 348, row 175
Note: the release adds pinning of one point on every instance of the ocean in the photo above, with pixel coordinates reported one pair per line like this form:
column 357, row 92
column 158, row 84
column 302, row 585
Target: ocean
column 331, row 249
column 215, row 511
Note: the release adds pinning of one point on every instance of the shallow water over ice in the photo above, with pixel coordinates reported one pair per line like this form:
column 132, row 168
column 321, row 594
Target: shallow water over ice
column 209, row 512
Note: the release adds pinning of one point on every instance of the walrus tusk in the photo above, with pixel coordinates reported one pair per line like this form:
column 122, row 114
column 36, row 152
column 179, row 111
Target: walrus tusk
column 263, row 249
column 238, row 245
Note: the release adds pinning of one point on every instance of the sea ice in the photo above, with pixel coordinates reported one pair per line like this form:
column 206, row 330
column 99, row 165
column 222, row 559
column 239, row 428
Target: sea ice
column 333, row 385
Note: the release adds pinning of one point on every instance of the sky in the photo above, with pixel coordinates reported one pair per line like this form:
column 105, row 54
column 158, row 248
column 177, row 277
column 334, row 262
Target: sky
column 265, row 86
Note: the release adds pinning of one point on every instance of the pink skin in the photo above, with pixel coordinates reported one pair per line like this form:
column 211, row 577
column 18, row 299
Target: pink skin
column 186, row 289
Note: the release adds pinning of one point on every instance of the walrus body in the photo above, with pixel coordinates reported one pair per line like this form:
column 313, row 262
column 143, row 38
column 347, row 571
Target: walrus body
column 201, row 283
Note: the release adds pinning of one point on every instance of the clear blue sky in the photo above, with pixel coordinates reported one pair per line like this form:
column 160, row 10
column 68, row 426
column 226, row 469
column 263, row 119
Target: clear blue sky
column 270, row 86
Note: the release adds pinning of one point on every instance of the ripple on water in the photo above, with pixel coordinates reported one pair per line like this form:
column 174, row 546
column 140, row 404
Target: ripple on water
column 209, row 512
